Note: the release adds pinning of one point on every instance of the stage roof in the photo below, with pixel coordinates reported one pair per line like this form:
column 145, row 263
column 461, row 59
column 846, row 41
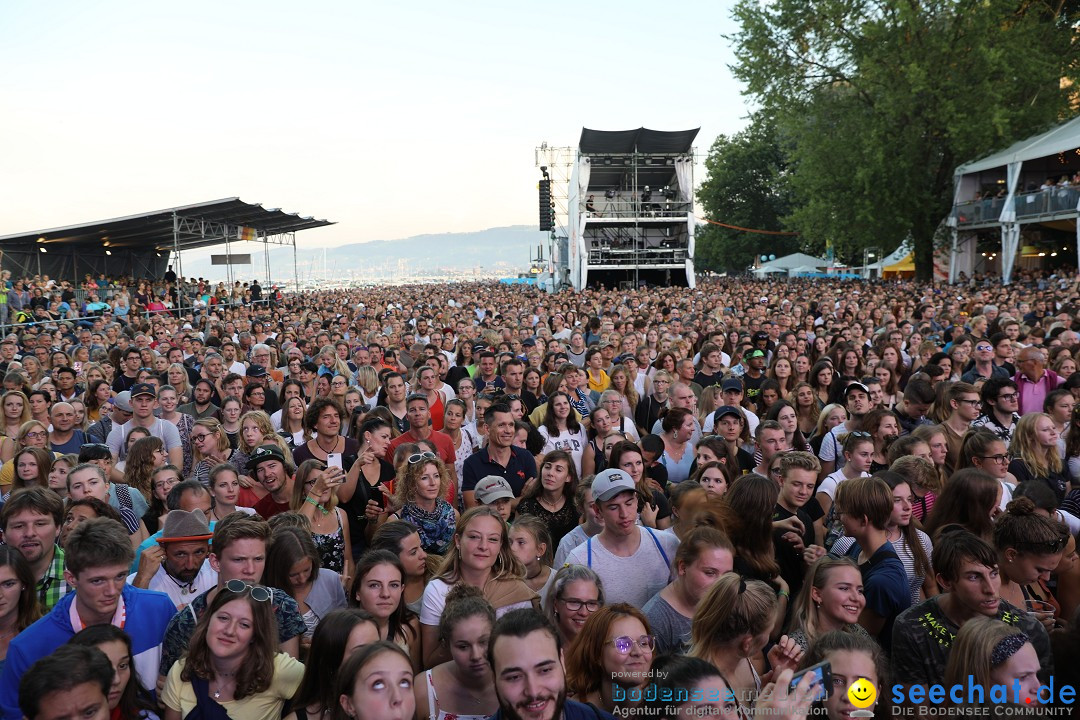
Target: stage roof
column 641, row 140
column 150, row 230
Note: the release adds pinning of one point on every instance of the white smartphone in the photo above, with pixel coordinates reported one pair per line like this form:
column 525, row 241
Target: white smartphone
column 333, row 460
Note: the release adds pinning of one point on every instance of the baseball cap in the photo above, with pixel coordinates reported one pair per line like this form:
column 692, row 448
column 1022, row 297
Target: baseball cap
column 492, row 488
column 610, row 483
column 751, row 354
column 122, row 401
column 856, row 386
column 732, row 384
column 725, row 410
column 143, row 389
column 264, row 453
column 255, row 371
column 761, row 335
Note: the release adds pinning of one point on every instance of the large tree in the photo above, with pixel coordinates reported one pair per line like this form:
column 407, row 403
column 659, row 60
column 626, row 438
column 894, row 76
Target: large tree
column 747, row 185
column 882, row 99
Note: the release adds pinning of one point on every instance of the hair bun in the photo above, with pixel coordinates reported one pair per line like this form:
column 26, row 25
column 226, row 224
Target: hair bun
column 1020, row 507
column 463, row 591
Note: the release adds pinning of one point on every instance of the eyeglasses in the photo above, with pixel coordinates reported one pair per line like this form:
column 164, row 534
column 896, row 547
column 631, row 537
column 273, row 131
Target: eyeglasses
column 984, row 348
column 38, row 435
column 624, row 643
column 1008, row 396
column 420, row 457
column 995, row 458
column 258, row 592
column 973, row 403
column 575, row 605
column 200, row 437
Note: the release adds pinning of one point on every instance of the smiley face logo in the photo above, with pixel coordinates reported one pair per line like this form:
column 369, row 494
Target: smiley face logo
column 862, row 693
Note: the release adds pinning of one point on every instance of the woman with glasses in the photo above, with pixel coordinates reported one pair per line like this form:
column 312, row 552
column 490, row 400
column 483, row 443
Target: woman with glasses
column 464, row 686
column 985, row 451
column 419, row 492
column 162, row 481
column 704, row 555
column 211, row 448
column 33, row 433
column 575, row 593
column 315, row 497
column 255, row 398
column 614, row 647
column 233, row 659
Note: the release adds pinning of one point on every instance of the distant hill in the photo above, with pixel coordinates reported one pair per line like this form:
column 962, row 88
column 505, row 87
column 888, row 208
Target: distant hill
column 502, row 250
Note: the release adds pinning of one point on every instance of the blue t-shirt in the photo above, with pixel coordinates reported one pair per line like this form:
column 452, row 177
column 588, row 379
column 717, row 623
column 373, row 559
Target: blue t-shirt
column 885, row 586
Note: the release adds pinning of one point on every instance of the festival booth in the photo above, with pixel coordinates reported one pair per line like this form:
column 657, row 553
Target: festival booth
column 1028, row 189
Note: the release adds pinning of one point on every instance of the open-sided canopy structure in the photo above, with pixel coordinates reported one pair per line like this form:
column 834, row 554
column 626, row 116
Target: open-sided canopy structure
column 142, row 244
column 608, row 151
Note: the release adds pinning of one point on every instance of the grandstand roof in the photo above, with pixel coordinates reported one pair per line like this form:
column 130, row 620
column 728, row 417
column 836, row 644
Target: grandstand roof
column 154, row 229
column 1061, row 138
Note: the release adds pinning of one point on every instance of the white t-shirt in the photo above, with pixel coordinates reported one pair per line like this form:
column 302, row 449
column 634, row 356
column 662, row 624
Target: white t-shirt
column 572, row 442
column 832, row 481
column 163, row 429
column 433, row 603
column 633, row 579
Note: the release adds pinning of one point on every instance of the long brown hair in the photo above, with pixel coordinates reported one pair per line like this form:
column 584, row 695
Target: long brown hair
column 585, row 656
column 257, row 671
column 751, row 500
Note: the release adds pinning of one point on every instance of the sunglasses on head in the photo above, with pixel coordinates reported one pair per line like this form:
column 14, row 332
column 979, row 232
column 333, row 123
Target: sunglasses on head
column 420, row 457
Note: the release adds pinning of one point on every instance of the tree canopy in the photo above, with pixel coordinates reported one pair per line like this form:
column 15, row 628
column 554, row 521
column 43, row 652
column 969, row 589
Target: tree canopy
column 877, row 102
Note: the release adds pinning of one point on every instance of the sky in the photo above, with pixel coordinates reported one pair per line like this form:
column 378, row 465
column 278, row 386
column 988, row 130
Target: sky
column 393, row 119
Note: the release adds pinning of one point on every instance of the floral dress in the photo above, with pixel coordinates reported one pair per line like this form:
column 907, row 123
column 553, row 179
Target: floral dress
column 331, row 547
column 436, row 528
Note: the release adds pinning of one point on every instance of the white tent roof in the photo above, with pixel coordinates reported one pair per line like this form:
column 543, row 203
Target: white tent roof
column 802, row 270
column 1053, row 141
column 768, row 269
column 798, row 260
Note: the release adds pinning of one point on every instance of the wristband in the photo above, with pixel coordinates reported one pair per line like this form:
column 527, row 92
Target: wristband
column 783, row 594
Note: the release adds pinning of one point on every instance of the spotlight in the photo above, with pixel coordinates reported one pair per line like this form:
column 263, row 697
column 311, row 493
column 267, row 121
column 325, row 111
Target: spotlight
column 610, row 193
column 607, row 161
column 43, row 250
column 670, row 161
column 669, row 193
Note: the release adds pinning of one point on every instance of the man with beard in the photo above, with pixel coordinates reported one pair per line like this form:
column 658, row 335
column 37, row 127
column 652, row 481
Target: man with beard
column 525, row 653
column 31, row 521
column 177, row 564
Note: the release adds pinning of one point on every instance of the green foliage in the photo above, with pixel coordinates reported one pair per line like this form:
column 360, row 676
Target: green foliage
column 879, row 101
column 747, row 185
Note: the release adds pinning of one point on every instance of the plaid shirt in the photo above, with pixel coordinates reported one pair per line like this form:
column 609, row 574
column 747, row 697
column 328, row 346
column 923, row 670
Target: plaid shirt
column 52, row 587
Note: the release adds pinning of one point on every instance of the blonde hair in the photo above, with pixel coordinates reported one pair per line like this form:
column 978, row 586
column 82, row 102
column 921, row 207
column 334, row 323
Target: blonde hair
column 506, row 567
column 409, row 474
column 262, row 421
column 731, row 608
column 973, row 648
column 300, row 492
column 804, row 613
column 1025, row 446
column 214, row 427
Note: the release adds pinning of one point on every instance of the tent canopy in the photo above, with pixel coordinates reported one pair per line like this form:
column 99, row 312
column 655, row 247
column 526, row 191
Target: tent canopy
column 768, row 270
column 798, row 260
column 904, row 266
column 1055, row 140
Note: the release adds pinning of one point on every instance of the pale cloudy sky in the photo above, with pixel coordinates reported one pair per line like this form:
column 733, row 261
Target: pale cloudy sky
column 391, row 118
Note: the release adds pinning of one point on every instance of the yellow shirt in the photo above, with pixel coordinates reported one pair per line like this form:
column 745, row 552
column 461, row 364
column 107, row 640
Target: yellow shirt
column 600, row 382
column 288, row 672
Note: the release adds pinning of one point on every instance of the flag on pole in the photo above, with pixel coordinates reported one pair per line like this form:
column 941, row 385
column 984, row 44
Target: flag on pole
column 246, row 234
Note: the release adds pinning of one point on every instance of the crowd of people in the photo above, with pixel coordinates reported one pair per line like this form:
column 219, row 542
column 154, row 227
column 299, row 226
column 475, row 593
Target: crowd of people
column 479, row 500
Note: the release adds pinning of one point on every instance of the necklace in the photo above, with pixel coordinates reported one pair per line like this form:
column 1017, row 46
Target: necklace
column 217, row 693
column 318, row 441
